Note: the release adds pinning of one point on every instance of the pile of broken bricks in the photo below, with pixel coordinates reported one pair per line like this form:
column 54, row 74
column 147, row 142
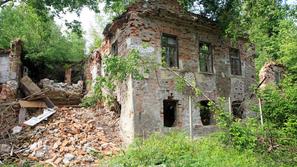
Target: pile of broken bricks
column 69, row 136
column 72, row 136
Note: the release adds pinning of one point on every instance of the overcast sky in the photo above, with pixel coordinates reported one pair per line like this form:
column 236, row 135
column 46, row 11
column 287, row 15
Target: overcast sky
column 88, row 22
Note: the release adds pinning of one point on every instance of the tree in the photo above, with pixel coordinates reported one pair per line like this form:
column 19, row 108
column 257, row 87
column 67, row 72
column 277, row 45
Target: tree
column 46, row 43
column 45, row 47
column 57, row 5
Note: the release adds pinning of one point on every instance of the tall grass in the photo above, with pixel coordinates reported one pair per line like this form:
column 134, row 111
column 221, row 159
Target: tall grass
column 177, row 150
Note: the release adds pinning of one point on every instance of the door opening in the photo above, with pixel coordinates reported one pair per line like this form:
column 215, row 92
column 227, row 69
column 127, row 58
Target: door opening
column 169, row 111
column 205, row 113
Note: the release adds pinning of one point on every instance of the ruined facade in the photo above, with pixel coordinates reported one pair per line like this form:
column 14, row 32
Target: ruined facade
column 271, row 73
column 10, row 71
column 92, row 69
column 192, row 46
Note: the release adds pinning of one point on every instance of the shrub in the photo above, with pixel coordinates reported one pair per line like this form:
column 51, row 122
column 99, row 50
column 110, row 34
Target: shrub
column 176, row 149
column 237, row 133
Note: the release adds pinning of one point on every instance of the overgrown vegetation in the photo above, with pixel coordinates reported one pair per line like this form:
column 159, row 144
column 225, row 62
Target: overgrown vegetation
column 116, row 69
column 270, row 25
column 240, row 143
column 176, row 149
column 45, row 47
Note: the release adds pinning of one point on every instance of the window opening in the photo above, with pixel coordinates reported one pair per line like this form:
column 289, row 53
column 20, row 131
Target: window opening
column 205, row 113
column 235, row 61
column 205, row 57
column 169, row 111
column 169, row 50
column 237, row 109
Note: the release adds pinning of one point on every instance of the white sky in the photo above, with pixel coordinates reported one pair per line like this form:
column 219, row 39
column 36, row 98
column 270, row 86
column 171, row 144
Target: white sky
column 293, row 2
column 89, row 22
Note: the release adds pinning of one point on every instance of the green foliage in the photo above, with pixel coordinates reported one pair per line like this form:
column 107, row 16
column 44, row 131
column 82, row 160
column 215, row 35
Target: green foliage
column 57, row 5
column 280, row 104
column 287, row 39
column 90, row 101
column 96, row 43
column 276, row 139
column 241, row 135
column 263, row 25
column 116, row 70
column 19, row 23
column 117, row 7
column 180, row 84
column 269, row 25
column 96, row 31
column 43, row 41
column 176, row 149
column 280, row 115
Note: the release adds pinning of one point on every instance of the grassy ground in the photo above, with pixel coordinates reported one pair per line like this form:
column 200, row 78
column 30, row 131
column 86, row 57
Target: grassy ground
column 177, row 150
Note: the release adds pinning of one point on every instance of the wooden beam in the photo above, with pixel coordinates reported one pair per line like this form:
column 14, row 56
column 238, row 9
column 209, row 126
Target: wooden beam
column 32, row 104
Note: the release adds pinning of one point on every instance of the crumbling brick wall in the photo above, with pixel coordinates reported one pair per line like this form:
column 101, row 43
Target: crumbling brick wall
column 143, row 101
column 271, row 73
column 92, row 69
column 10, row 71
column 4, row 65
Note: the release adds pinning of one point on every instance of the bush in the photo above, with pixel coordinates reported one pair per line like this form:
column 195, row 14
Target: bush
column 237, row 133
column 280, row 103
column 176, row 149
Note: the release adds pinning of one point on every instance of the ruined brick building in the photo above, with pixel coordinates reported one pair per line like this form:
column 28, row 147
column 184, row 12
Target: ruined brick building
column 10, row 71
column 191, row 45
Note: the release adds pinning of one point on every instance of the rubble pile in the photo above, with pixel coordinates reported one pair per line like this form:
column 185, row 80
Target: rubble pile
column 72, row 136
column 8, row 119
column 62, row 93
column 8, row 91
column 8, row 111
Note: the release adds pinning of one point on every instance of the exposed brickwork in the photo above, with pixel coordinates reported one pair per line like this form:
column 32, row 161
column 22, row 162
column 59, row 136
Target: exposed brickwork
column 271, row 73
column 10, row 71
column 142, row 101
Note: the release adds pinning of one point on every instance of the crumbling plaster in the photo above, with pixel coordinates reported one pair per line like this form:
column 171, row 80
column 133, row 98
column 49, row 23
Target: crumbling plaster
column 10, row 71
column 142, row 101
column 10, row 62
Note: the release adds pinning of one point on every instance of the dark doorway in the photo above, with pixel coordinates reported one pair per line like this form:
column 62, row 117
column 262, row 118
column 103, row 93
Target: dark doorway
column 205, row 113
column 237, row 110
column 169, row 111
